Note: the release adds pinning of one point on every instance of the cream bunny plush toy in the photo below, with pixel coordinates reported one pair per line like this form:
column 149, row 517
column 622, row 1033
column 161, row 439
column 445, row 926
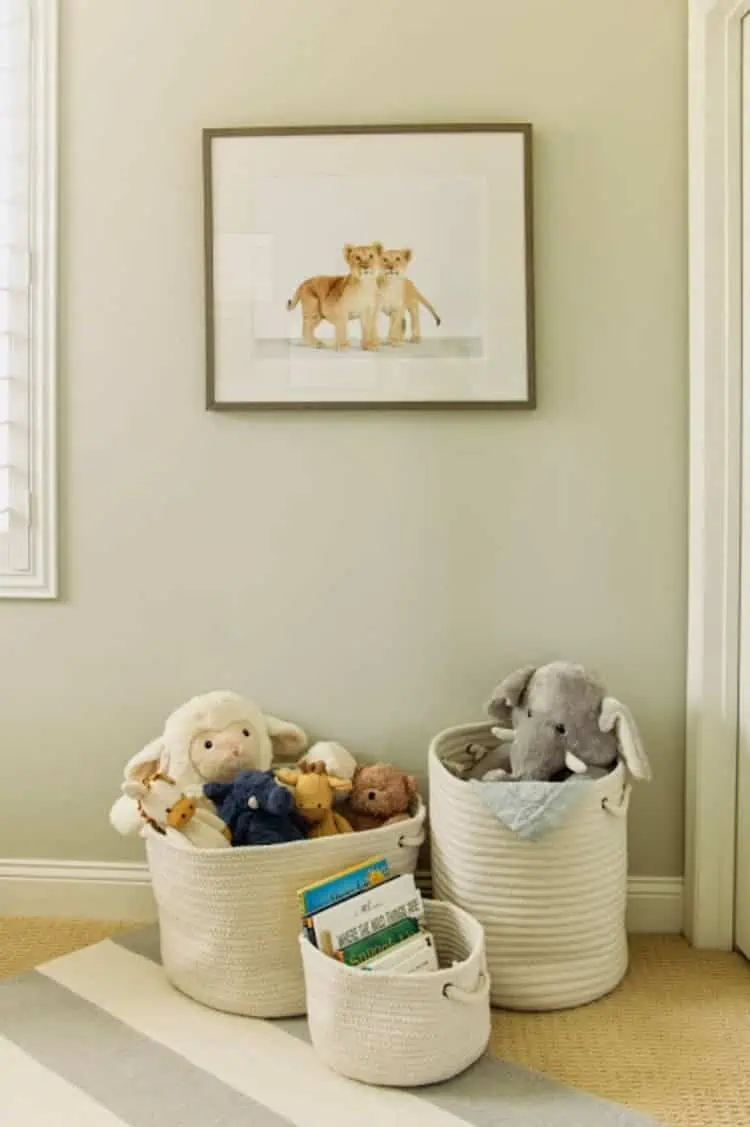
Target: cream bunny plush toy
column 210, row 738
column 338, row 760
column 164, row 808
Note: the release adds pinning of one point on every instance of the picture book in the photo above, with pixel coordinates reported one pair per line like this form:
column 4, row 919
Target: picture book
column 340, row 886
column 367, row 913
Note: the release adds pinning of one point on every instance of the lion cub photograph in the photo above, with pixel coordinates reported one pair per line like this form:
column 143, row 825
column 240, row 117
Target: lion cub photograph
column 376, row 284
column 397, row 296
column 342, row 298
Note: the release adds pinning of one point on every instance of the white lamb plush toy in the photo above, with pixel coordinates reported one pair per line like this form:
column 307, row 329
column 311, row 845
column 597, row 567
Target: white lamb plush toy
column 164, row 808
column 211, row 738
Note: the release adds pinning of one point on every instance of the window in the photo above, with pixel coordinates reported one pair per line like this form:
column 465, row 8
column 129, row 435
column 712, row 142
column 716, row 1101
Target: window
column 28, row 227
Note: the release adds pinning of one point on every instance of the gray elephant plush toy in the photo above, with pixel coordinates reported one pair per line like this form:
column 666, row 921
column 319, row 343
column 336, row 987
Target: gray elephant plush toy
column 563, row 723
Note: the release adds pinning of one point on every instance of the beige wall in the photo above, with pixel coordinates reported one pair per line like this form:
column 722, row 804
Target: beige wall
column 369, row 576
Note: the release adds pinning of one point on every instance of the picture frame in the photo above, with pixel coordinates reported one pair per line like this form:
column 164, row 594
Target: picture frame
column 369, row 267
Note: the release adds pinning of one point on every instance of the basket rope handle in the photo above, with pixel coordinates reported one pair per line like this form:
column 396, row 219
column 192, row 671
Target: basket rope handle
column 621, row 809
column 458, row 994
column 414, row 841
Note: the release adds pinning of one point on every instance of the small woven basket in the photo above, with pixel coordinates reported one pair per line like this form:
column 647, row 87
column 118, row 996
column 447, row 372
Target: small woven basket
column 409, row 1029
column 553, row 910
column 229, row 918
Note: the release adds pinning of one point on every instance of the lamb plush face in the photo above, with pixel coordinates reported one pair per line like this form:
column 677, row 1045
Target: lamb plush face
column 219, row 754
column 214, row 737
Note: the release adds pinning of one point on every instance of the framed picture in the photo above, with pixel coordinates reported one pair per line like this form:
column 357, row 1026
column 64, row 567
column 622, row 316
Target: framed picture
column 369, row 267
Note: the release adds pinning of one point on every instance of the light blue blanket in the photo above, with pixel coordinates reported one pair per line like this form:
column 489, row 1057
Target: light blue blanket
column 530, row 809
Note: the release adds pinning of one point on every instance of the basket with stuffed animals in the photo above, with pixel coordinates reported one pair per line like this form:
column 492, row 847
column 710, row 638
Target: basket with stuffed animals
column 528, row 817
column 230, row 840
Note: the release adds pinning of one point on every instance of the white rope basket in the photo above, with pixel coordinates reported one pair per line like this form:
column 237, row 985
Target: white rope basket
column 229, row 918
column 409, row 1029
column 553, row 909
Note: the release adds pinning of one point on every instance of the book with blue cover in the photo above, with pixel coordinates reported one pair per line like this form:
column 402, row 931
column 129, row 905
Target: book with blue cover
column 338, row 887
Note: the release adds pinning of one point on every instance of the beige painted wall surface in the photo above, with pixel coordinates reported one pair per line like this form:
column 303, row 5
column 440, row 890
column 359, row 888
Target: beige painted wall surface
column 370, row 576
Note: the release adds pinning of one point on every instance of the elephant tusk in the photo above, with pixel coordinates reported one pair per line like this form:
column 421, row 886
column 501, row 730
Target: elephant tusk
column 574, row 764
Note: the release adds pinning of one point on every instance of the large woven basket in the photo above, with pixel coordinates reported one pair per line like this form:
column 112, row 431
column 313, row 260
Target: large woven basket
column 553, row 909
column 409, row 1029
column 229, row 918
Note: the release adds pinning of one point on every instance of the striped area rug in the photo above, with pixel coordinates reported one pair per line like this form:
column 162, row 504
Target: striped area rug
column 100, row 1039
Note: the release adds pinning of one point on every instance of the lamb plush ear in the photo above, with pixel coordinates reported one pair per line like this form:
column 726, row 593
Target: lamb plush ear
column 508, row 694
column 616, row 717
column 408, row 254
column 134, row 788
column 377, row 247
column 147, row 762
column 348, row 248
column 288, row 740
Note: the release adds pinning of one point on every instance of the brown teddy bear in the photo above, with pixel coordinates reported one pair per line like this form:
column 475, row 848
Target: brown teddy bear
column 380, row 794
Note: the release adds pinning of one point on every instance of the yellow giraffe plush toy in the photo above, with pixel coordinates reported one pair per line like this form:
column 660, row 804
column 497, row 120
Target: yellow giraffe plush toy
column 314, row 792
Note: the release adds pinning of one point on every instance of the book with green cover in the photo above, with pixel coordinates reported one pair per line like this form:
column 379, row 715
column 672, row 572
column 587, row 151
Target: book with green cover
column 364, row 949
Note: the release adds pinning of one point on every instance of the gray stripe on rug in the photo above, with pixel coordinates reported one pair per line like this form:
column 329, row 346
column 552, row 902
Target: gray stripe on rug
column 493, row 1093
column 138, row 1080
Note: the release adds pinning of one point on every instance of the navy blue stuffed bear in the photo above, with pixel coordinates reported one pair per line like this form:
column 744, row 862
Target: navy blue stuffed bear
column 256, row 808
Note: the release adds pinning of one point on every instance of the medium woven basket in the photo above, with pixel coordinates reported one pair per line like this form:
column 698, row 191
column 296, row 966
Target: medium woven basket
column 409, row 1029
column 553, row 909
column 229, row 918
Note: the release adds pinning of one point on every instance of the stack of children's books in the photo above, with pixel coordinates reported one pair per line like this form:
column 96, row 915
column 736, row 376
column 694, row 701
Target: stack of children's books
column 368, row 918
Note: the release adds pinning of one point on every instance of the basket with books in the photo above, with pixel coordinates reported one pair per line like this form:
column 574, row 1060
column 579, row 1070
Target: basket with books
column 397, row 985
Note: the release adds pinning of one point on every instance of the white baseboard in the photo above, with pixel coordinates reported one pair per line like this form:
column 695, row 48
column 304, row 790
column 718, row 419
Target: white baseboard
column 655, row 905
column 80, row 889
column 103, row 891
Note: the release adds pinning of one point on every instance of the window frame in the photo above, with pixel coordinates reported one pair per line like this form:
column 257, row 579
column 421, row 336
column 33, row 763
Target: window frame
column 40, row 579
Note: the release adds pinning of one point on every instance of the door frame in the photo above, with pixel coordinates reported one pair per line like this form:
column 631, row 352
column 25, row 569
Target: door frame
column 716, row 376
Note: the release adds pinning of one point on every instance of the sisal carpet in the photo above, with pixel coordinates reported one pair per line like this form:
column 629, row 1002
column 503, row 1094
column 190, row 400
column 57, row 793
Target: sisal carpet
column 670, row 1041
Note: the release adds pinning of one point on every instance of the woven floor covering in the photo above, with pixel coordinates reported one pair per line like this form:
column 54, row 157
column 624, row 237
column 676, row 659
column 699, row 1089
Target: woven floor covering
column 98, row 1037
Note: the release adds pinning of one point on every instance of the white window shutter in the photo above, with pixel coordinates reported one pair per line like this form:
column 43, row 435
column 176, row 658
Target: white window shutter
column 28, row 126
column 15, row 250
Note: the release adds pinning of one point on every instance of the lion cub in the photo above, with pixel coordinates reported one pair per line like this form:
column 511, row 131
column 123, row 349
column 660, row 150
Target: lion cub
column 398, row 295
column 342, row 298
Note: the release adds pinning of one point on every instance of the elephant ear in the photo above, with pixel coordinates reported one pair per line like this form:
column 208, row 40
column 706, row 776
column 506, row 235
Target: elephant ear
column 616, row 717
column 288, row 740
column 508, row 695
